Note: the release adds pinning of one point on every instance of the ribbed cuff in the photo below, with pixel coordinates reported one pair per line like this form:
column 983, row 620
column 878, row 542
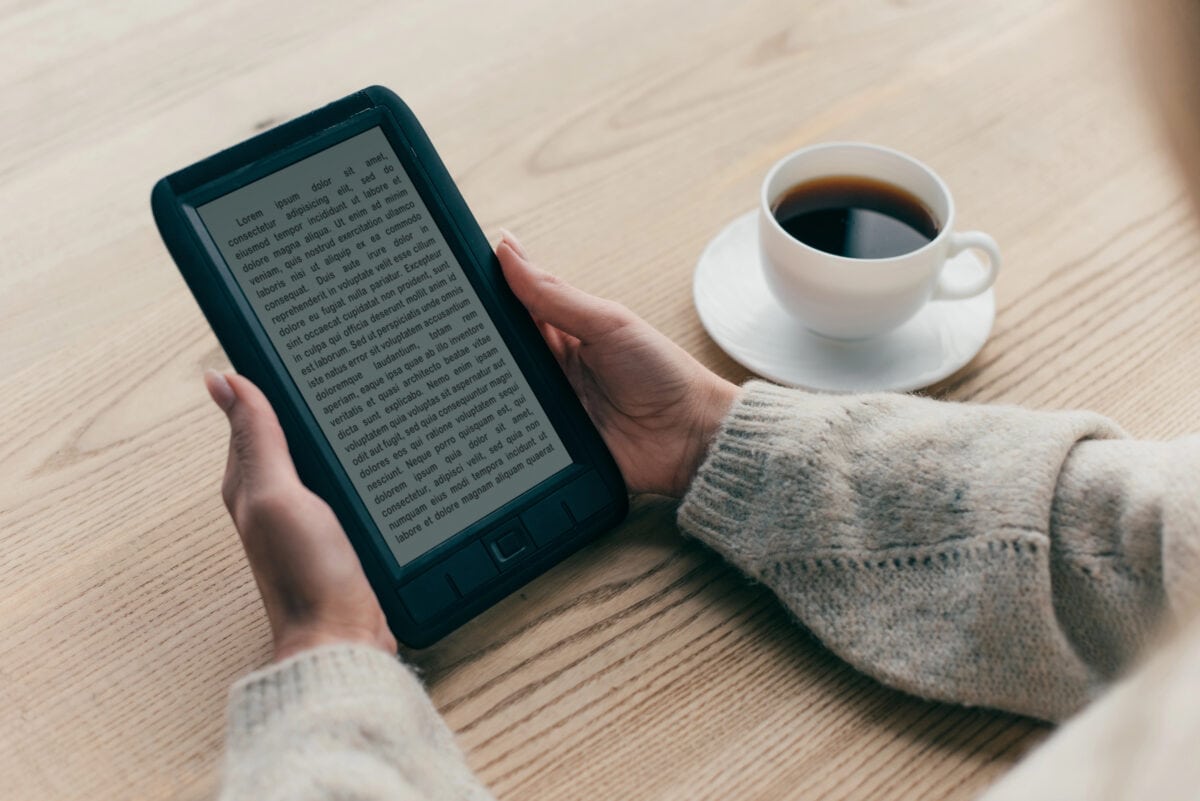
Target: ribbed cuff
column 721, row 505
column 342, row 671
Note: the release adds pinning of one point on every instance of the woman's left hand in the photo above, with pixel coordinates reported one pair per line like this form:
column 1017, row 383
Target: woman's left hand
column 310, row 579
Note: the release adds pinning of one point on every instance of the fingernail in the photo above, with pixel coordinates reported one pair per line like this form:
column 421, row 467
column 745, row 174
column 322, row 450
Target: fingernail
column 511, row 238
column 219, row 389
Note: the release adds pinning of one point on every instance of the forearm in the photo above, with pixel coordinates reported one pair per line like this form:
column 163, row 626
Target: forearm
column 927, row 543
column 345, row 721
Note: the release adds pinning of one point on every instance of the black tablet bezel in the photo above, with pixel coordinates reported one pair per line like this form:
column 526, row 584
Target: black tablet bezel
column 174, row 201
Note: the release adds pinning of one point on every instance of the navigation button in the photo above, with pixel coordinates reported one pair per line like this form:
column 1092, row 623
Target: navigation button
column 585, row 496
column 471, row 568
column 428, row 594
column 547, row 520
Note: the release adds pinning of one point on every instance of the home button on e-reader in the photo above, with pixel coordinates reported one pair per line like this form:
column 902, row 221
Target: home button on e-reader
column 428, row 594
column 509, row 545
column 470, row 568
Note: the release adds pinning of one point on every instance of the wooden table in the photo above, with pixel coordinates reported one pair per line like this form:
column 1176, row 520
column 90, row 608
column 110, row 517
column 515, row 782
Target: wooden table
column 616, row 138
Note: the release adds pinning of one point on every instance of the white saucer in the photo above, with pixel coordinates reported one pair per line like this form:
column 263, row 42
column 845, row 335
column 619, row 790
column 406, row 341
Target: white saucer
column 743, row 317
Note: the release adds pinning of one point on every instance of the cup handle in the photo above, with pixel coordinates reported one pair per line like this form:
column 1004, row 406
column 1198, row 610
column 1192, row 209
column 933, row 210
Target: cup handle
column 966, row 241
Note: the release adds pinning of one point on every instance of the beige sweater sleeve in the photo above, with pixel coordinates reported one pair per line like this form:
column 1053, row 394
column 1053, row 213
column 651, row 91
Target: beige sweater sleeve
column 340, row 722
column 983, row 555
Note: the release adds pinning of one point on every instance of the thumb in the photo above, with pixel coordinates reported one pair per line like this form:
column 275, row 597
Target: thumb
column 551, row 299
column 256, row 441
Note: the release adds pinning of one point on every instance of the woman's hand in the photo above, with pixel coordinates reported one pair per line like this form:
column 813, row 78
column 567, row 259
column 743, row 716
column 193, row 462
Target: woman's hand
column 656, row 407
column 311, row 582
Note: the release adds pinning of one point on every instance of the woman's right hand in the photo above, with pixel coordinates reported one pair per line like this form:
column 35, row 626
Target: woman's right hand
column 656, row 407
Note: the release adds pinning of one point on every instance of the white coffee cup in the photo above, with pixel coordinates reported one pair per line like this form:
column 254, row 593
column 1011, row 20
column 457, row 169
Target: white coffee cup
column 852, row 298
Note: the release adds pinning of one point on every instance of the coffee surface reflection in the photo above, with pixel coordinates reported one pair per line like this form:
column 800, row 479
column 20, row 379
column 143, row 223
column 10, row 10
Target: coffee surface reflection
column 855, row 217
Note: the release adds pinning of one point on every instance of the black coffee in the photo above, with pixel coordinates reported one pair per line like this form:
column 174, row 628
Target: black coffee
column 860, row 218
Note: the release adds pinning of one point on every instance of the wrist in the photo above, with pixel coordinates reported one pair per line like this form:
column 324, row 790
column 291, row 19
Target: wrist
column 304, row 638
column 714, row 403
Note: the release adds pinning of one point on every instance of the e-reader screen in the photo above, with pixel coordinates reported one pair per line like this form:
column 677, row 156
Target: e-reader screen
column 386, row 340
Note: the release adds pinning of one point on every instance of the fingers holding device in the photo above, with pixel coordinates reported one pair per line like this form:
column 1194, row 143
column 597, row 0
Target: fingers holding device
column 310, row 579
column 656, row 407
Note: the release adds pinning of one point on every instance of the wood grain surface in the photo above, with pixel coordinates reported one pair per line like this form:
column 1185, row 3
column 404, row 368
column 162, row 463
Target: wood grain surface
column 615, row 138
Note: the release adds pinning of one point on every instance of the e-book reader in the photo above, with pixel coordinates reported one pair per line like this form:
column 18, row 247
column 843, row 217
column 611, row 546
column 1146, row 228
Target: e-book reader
column 343, row 273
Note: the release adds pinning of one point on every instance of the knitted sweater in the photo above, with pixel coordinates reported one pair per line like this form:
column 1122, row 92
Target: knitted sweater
column 982, row 555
